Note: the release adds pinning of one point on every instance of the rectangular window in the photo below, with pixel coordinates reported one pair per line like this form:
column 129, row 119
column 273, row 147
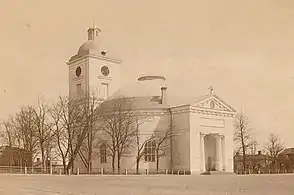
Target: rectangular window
column 104, row 90
column 79, row 88
column 103, row 154
column 149, row 151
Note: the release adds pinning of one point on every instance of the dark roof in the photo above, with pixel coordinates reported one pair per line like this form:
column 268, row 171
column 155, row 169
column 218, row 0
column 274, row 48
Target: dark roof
column 7, row 147
column 256, row 156
column 288, row 151
column 132, row 103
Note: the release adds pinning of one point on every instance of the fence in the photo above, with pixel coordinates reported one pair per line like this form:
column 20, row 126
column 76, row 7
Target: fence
column 265, row 171
column 94, row 171
column 109, row 171
column 105, row 171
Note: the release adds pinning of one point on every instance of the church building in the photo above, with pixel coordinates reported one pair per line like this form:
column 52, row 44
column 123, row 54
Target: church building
column 202, row 129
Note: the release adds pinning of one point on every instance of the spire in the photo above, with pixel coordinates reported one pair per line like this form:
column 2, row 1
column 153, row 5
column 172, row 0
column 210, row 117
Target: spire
column 94, row 26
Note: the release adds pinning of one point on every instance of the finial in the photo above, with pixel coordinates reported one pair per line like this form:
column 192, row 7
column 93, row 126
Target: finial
column 94, row 26
column 210, row 90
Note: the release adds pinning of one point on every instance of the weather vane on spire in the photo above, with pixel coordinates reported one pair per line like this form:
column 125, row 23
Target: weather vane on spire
column 94, row 25
column 210, row 90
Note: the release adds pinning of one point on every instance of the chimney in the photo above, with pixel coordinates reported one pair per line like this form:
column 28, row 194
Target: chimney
column 163, row 94
column 259, row 152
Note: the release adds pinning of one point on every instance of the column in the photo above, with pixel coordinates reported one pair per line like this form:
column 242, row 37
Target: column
column 224, row 152
column 202, row 148
column 219, row 153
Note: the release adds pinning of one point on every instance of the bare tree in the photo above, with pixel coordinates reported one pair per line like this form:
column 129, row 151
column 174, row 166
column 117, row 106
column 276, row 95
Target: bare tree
column 118, row 123
column 163, row 140
column 273, row 147
column 253, row 148
column 140, row 141
column 26, row 132
column 9, row 132
column 61, row 136
column 74, row 122
column 77, row 118
column 43, row 131
column 86, row 151
column 8, row 136
column 107, row 131
column 243, row 135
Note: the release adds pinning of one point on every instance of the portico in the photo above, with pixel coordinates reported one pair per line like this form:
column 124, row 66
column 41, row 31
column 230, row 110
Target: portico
column 212, row 152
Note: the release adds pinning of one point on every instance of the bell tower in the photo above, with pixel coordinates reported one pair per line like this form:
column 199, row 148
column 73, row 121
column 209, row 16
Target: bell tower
column 94, row 68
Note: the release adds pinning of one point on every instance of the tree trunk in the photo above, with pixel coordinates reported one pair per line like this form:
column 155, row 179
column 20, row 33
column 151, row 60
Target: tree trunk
column 90, row 160
column 64, row 167
column 244, row 160
column 10, row 157
column 90, row 145
column 137, row 165
column 72, row 166
column 157, row 160
column 118, row 163
column 43, row 158
column 274, row 165
column 113, row 162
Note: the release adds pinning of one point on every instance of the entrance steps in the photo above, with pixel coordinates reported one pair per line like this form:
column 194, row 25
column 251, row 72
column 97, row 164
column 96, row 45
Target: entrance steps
column 221, row 173
column 218, row 173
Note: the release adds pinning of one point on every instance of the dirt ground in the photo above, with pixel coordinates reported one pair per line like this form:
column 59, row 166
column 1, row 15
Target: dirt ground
column 139, row 185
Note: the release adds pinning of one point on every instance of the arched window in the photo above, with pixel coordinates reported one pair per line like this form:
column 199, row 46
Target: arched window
column 149, row 151
column 103, row 154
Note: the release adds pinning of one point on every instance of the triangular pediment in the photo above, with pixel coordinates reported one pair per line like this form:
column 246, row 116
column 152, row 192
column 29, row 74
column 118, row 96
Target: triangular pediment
column 213, row 102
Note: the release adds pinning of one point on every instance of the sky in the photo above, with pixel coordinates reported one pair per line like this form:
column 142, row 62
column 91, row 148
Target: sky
column 244, row 49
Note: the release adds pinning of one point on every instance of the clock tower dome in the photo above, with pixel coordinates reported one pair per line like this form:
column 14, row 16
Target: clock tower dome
column 94, row 68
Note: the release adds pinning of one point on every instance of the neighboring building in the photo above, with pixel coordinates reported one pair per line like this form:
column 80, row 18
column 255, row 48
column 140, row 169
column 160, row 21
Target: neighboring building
column 39, row 163
column 12, row 156
column 256, row 163
column 260, row 163
column 286, row 160
column 202, row 127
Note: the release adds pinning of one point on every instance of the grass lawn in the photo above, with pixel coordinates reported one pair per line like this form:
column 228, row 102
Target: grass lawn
column 138, row 185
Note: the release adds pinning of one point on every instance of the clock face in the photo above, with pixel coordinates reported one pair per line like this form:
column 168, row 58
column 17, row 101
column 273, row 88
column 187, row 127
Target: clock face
column 105, row 70
column 78, row 71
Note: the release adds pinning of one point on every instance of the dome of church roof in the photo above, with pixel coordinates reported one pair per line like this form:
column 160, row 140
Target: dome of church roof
column 146, row 85
column 91, row 45
column 134, row 103
column 96, row 45
column 145, row 93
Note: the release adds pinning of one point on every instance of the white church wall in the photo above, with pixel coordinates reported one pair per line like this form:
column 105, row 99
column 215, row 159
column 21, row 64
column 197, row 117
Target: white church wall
column 154, row 124
column 202, row 124
column 229, row 144
column 74, row 80
column 211, row 124
column 96, row 78
column 162, row 126
column 181, row 139
column 78, row 164
column 195, row 150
